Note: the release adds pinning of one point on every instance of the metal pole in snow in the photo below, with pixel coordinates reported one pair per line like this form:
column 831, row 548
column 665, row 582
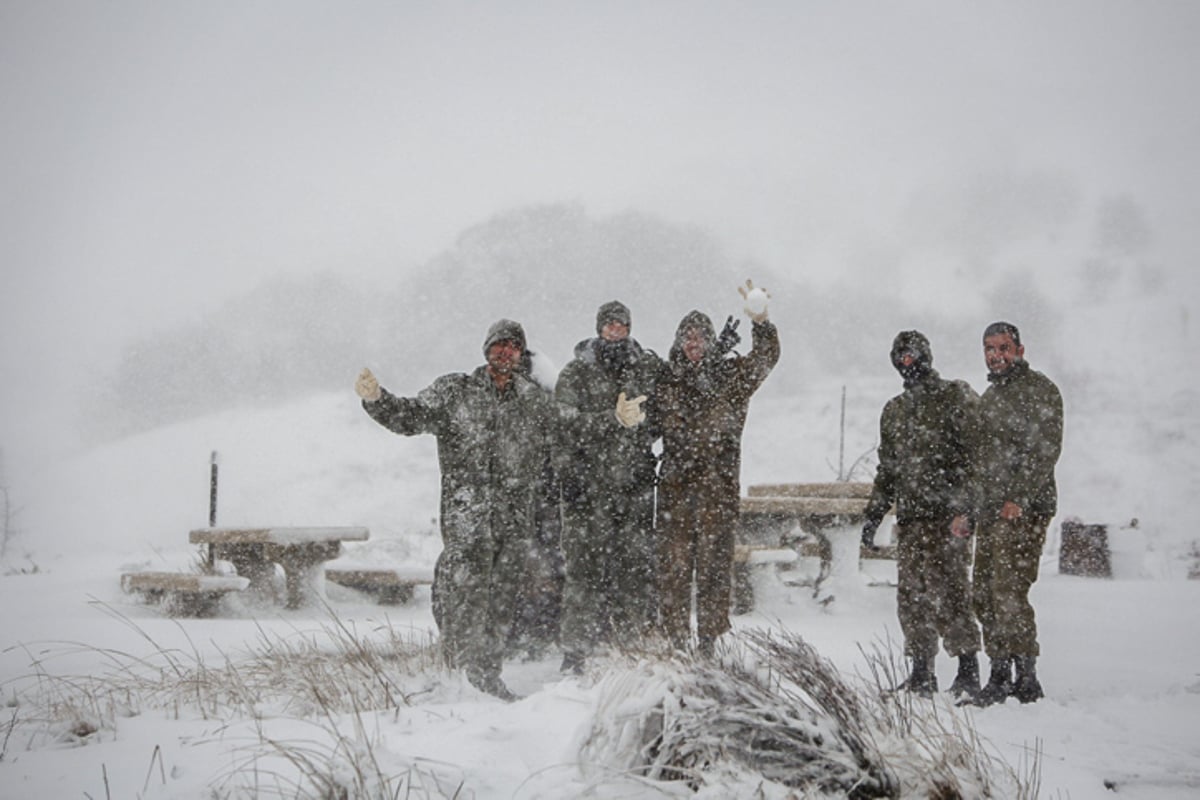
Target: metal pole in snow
column 212, row 491
column 212, row 508
column 842, row 476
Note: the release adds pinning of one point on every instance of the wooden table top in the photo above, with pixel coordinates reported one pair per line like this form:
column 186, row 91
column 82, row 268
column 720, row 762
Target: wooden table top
column 283, row 536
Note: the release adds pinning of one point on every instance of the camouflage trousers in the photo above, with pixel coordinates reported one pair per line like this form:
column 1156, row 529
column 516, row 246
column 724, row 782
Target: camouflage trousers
column 934, row 596
column 696, row 539
column 609, row 592
column 1007, row 557
column 474, row 592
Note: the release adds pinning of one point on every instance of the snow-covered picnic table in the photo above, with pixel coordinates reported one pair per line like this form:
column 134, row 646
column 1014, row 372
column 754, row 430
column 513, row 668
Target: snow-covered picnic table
column 827, row 514
column 302, row 552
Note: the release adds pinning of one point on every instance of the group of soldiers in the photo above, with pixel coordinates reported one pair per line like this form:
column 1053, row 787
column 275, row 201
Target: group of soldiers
column 639, row 533
column 971, row 479
column 531, row 472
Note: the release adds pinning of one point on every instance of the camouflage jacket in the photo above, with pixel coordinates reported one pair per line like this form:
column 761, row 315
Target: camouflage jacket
column 491, row 447
column 924, row 452
column 1017, row 443
column 595, row 447
column 703, row 411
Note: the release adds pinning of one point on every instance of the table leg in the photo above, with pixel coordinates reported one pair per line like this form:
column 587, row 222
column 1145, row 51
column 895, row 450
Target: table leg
column 743, row 588
column 304, row 569
column 250, row 561
column 825, row 553
column 839, row 560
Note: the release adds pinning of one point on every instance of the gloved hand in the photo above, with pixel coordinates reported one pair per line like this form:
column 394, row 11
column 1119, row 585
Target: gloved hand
column 729, row 337
column 960, row 527
column 868, row 536
column 367, row 386
column 755, row 301
column 629, row 412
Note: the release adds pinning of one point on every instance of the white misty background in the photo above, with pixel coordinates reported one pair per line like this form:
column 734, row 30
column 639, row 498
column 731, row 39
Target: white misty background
column 207, row 205
column 550, row 266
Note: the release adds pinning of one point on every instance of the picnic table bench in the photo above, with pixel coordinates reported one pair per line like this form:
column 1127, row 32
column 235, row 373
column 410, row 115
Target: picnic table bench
column 188, row 594
column 391, row 585
column 301, row 552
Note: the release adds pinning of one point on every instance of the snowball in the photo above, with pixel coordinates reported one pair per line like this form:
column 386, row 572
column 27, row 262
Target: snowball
column 756, row 301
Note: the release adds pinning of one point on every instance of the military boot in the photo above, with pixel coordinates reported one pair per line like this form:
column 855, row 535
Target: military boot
column 1027, row 689
column 922, row 681
column 491, row 684
column 966, row 682
column 572, row 663
column 999, row 685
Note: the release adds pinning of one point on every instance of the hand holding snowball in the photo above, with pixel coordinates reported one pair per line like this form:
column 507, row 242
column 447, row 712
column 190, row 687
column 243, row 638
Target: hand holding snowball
column 755, row 301
column 367, row 386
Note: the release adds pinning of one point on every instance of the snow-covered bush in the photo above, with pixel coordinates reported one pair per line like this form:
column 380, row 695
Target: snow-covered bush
column 770, row 718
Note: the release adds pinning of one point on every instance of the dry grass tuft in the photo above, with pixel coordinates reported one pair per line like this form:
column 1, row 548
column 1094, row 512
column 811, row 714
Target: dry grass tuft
column 329, row 680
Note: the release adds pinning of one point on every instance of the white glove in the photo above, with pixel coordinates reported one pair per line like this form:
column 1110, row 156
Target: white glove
column 367, row 387
column 755, row 301
column 629, row 412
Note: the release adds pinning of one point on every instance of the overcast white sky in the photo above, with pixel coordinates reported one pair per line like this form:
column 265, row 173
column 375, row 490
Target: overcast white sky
column 158, row 157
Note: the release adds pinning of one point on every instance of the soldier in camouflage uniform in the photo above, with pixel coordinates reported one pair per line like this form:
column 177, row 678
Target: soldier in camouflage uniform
column 607, row 470
column 923, row 470
column 702, row 400
column 1018, row 443
column 493, row 428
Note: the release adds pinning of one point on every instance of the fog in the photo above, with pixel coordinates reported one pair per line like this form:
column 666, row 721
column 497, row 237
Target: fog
column 939, row 164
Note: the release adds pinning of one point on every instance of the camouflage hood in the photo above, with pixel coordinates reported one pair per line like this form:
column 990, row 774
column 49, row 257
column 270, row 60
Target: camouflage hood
column 913, row 342
column 916, row 343
column 694, row 320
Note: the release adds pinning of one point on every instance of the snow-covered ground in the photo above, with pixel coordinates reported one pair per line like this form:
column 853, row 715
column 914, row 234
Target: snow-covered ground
column 1120, row 664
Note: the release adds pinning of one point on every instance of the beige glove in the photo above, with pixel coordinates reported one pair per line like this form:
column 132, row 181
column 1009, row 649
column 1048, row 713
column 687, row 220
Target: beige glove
column 960, row 527
column 629, row 412
column 367, row 387
column 755, row 301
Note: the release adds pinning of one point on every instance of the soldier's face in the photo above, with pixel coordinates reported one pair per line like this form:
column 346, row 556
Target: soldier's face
column 503, row 356
column 1000, row 351
column 614, row 331
column 694, row 345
